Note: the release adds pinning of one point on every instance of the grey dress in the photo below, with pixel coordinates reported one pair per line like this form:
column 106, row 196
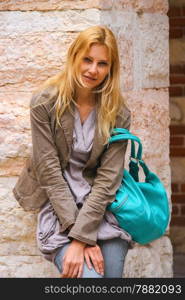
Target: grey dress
column 49, row 237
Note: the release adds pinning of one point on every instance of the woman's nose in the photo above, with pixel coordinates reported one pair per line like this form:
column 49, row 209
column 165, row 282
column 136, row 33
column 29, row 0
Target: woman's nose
column 93, row 68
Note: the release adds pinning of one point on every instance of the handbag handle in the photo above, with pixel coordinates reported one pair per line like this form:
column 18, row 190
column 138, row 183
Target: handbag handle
column 123, row 130
column 119, row 134
column 124, row 134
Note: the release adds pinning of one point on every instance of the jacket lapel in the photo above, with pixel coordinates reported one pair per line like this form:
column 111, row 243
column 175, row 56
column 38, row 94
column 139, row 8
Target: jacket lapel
column 64, row 134
column 67, row 123
column 97, row 146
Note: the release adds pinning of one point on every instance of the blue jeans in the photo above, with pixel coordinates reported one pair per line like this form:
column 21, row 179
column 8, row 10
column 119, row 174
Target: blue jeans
column 113, row 251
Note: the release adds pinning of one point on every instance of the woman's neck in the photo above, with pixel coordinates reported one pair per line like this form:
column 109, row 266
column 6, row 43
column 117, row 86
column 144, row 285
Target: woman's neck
column 84, row 97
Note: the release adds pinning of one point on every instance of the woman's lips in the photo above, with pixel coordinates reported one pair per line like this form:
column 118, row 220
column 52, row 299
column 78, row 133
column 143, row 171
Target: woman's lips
column 89, row 78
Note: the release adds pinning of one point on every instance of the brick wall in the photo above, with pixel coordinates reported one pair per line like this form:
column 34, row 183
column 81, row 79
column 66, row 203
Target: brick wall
column 177, row 140
column 177, row 31
column 177, row 92
column 177, row 149
column 177, row 80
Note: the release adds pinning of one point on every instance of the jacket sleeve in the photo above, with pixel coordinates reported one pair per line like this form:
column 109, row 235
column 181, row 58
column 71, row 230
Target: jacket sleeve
column 47, row 165
column 108, row 179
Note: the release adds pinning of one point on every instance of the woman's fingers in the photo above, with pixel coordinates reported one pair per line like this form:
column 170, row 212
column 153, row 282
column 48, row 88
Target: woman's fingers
column 95, row 264
column 73, row 260
column 65, row 271
column 101, row 261
column 80, row 271
column 94, row 255
column 98, row 264
column 71, row 269
column 75, row 272
column 88, row 261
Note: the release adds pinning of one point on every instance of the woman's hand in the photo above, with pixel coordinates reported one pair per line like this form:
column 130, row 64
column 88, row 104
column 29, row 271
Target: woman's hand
column 73, row 260
column 93, row 254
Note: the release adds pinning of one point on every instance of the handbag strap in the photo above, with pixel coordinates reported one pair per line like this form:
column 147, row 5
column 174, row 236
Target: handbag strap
column 133, row 155
column 119, row 134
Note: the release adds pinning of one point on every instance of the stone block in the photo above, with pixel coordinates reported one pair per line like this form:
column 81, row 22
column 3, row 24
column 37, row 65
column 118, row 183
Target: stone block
column 151, row 51
column 143, row 40
column 142, row 6
column 27, row 37
column 15, row 136
column 26, row 267
column 17, row 227
column 44, row 5
column 122, row 24
column 151, row 261
column 150, row 119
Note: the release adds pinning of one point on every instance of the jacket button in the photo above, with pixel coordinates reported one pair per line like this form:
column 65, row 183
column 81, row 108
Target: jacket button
column 29, row 170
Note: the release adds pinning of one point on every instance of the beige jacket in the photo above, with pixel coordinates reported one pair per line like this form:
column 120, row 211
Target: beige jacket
column 42, row 179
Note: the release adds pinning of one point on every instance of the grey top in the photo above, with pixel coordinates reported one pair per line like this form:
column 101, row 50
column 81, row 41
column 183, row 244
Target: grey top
column 49, row 237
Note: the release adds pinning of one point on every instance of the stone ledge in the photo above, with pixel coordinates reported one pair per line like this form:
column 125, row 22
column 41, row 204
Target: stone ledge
column 140, row 6
column 143, row 6
column 30, row 5
column 151, row 261
column 26, row 267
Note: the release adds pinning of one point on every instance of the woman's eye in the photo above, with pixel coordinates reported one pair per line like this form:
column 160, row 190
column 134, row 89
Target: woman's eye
column 103, row 63
column 87, row 59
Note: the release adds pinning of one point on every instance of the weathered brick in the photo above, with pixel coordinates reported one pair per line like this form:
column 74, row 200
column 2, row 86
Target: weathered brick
column 177, row 151
column 177, row 129
column 183, row 10
column 183, row 187
column 177, row 79
column 177, row 221
column 177, row 69
column 178, row 198
column 175, row 210
column 176, row 91
column 177, row 141
column 182, row 209
column 176, row 33
column 174, row 11
column 177, row 22
column 175, row 187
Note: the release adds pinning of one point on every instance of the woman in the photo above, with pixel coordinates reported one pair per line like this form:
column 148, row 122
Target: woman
column 72, row 175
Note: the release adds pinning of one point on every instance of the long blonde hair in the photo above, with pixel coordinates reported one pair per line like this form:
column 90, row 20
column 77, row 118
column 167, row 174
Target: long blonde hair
column 108, row 92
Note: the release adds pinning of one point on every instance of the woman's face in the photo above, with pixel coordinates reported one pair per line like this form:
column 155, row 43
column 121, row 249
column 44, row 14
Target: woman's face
column 95, row 65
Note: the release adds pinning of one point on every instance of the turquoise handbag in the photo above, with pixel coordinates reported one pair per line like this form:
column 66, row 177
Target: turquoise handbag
column 141, row 208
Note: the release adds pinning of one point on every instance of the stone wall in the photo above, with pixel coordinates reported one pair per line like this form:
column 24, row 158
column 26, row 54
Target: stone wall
column 177, row 125
column 34, row 39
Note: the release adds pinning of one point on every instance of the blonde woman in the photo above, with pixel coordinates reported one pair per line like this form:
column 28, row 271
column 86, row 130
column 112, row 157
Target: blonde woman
column 72, row 175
